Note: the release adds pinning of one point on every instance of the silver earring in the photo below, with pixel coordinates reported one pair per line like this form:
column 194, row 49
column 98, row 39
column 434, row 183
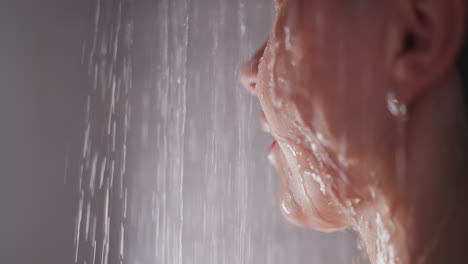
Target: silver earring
column 396, row 108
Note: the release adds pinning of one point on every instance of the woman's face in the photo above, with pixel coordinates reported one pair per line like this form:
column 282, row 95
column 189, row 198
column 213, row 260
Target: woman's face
column 321, row 82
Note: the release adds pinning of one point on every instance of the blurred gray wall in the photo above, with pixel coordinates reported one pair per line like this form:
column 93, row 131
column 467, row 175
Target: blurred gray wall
column 42, row 97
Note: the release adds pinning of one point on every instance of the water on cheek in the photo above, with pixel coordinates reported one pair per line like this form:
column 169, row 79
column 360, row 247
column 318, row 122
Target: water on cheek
column 340, row 184
column 291, row 24
column 317, row 179
column 287, row 40
column 283, row 59
column 274, row 96
column 274, row 48
column 315, row 161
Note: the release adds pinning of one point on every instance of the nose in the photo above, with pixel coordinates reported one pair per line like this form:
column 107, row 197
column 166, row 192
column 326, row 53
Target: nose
column 249, row 70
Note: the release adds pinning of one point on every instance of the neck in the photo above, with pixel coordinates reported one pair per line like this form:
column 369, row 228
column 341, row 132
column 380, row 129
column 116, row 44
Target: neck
column 436, row 209
column 425, row 222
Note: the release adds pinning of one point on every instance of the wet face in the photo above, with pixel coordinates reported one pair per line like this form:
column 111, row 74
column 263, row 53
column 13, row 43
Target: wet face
column 321, row 82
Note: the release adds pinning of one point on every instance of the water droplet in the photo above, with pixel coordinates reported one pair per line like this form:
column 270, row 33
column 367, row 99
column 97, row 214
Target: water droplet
column 318, row 179
column 396, row 108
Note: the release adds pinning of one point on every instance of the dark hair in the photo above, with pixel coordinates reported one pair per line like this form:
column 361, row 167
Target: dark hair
column 463, row 68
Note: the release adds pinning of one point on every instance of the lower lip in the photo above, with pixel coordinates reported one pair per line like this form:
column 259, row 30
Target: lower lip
column 272, row 147
column 271, row 153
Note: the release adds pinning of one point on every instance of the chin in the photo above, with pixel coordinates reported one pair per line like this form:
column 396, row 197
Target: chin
column 293, row 213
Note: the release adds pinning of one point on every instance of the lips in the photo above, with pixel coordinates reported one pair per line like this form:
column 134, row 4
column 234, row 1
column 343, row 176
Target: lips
column 272, row 146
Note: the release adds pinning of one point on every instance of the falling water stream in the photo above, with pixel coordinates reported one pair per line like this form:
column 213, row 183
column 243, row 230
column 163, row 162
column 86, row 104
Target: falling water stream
column 173, row 167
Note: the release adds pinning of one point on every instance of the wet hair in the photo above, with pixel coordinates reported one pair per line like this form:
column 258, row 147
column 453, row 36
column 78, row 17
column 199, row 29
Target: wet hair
column 463, row 68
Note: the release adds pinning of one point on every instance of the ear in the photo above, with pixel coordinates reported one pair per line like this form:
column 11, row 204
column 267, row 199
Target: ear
column 432, row 34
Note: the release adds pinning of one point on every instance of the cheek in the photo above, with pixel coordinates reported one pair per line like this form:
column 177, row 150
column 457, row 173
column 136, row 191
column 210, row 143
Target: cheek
column 337, row 102
column 319, row 87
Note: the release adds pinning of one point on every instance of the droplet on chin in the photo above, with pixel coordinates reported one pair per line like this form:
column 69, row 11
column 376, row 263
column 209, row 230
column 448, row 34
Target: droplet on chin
column 344, row 160
column 396, row 108
column 287, row 204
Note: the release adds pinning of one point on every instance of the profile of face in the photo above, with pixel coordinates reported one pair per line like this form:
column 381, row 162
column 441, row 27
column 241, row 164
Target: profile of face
column 321, row 81
column 331, row 80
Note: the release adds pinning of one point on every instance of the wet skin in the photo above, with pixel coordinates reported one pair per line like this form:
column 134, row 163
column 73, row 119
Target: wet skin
column 344, row 159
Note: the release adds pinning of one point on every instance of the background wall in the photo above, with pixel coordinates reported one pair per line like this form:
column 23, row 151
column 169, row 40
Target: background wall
column 126, row 137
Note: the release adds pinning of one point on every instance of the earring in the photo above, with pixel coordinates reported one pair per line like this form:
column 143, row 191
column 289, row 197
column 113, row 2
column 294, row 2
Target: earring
column 400, row 111
column 396, row 108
